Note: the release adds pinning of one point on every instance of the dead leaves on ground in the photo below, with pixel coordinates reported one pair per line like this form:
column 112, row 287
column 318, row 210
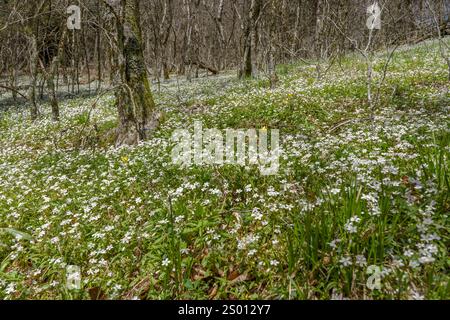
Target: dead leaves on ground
column 220, row 279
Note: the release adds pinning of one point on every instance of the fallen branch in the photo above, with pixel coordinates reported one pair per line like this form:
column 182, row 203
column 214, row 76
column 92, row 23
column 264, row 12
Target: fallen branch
column 203, row 66
column 14, row 90
column 343, row 123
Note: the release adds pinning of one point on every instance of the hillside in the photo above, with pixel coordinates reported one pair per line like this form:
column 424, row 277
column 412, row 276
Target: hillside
column 351, row 195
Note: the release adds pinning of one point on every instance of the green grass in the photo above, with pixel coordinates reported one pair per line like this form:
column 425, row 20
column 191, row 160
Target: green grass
column 346, row 197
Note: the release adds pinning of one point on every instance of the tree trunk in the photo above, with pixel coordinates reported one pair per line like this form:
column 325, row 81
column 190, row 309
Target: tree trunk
column 53, row 74
column 34, row 57
column 135, row 102
column 99, row 47
column 318, row 30
column 250, row 40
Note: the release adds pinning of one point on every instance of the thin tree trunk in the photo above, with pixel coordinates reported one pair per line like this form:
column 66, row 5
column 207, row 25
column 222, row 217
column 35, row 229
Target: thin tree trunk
column 34, row 57
column 250, row 40
column 53, row 74
column 99, row 48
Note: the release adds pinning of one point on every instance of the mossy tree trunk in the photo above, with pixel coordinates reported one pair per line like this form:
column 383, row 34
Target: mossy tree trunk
column 135, row 102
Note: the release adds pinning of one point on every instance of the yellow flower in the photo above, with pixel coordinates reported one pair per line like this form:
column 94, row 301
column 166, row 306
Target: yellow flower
column 124, row 159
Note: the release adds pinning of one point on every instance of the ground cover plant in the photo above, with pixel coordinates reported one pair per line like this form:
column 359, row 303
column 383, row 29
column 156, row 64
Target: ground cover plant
column 354, row 198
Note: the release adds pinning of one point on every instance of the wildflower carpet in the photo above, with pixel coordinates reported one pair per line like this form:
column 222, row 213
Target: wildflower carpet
column 358, row 209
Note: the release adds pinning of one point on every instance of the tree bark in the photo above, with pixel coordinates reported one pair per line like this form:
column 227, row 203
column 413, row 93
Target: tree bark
column 250, row 40
column 53, row 74
column 34, row 57
column 134, row 102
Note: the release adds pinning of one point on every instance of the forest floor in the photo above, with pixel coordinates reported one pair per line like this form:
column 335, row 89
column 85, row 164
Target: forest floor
column 354, row 203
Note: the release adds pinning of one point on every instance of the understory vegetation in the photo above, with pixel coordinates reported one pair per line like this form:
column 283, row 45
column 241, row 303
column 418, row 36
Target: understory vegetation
column 351, row 194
